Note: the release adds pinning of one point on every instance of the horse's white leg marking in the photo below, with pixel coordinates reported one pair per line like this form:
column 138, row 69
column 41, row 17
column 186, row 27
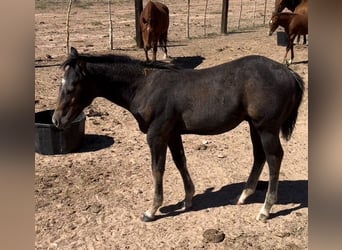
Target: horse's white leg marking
column 264, row 213
column 245, row 193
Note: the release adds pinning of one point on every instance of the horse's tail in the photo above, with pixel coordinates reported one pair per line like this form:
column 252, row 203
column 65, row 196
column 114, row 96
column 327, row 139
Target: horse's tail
column 288, row 126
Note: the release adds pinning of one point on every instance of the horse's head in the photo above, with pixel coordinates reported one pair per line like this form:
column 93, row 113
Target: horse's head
column 75, row 91
column 147, row 30
column 273, row 24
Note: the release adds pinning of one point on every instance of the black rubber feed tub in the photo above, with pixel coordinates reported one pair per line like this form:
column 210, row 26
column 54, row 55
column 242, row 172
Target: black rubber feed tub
column 282, row 38
column 50, row 140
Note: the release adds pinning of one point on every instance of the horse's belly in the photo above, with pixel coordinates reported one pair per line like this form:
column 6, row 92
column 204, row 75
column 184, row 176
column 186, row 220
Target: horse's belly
column 212, row 123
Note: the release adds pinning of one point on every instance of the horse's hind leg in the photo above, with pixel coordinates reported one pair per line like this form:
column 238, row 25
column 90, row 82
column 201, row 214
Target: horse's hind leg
column 177, row 151
column 258, row 164
column 274, row 155
column 298, row 39
column 163, row 44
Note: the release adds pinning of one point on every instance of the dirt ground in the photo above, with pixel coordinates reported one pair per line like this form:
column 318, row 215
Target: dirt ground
column 93, row 198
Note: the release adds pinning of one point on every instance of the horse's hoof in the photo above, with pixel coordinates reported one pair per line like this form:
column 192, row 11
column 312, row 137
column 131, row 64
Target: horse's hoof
column 262, row 217
column 147, row 218
column 288, row 62
column 185, row 206
column 236, row 201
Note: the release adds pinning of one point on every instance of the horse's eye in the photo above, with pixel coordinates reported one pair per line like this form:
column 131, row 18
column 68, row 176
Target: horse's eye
column 68, row 89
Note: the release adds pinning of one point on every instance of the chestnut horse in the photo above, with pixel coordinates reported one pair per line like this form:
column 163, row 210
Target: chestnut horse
column 170, row 102
column 154, row 25
column 296, row 6
column 294, row 24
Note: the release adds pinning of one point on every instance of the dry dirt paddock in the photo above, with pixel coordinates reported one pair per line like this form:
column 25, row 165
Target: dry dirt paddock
column 93, row 198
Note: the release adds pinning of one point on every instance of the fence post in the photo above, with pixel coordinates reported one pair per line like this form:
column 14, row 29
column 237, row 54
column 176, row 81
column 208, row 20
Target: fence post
column 138, row 9
column 205, row 18
column 224, row 16
column 110, row 25
column 67, row 26
column 188, row 21
column 265, row 11
column 240, row 15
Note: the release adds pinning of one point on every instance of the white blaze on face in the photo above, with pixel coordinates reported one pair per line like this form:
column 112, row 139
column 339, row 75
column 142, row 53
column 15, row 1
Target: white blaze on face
column 63, row 82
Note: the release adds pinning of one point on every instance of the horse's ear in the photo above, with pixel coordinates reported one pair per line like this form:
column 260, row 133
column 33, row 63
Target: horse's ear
column 73, row 52
column 81, row 66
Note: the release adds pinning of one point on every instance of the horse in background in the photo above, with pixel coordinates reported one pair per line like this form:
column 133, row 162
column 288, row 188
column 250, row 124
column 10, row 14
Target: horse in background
column 294, row 24
column 154, row 25
column 280, row 5
column 296, row 6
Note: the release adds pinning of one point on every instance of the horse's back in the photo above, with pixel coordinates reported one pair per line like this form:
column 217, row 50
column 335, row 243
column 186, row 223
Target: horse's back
column 217, row 99
column 302, row 8
column 156, row 11
column 299, row 24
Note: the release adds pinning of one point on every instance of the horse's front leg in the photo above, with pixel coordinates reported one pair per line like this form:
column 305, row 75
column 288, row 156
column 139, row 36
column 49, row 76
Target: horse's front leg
column 292, row 54
column 146, row 55
column 287, row 51
column 290, row 47
column 158, row 146
column 154, row 51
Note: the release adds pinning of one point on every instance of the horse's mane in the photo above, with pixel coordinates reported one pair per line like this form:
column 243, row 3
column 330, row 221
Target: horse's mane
column 115, row 59
column 99, row 59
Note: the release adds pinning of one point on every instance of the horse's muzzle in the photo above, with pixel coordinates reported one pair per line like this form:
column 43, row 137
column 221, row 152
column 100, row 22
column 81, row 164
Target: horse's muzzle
column 59, row 121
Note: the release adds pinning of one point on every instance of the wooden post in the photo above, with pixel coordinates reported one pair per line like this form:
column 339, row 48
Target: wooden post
column 254, row 13
column 110, row 25
column 224, row 17
column 188, row 21
column 205, row 18
column 265, row 8
column 240, row 15
column 138, row 10
column 67, row 27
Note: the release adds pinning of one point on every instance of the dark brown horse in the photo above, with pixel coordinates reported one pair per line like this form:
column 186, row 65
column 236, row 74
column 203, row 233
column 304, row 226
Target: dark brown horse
column 296, row 6
column 170, row 102
column 294, row 24
column 154, row 25
column 280, row 5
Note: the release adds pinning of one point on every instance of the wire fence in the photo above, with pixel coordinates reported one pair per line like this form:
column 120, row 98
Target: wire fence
column 204, row 17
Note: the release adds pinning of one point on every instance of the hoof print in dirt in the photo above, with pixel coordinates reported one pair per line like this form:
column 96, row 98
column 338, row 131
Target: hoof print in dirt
column 213, row 235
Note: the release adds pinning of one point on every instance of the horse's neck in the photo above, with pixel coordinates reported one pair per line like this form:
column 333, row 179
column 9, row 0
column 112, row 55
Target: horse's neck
column 284, row 19
column 119, row 86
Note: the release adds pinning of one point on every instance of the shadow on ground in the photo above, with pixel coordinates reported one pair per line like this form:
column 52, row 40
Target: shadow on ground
column 288, row 192
column 93, row 142
column 187, row 62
